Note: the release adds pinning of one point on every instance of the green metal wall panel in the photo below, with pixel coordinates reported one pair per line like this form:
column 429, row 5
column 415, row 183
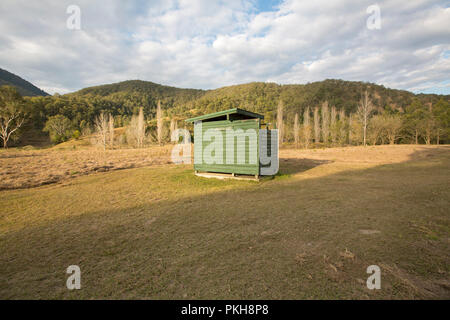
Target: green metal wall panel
column 240, row 157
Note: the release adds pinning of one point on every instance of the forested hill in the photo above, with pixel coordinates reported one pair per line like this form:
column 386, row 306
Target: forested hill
column 133, row 94
column 124, row 99
column 139, row 87
column 256, row 96
column 264, row 97
column 24, row 87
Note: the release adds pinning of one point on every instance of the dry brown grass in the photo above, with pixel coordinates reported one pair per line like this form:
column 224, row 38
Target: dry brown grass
column 21, row 168
column 367, row 156
column 31, row 168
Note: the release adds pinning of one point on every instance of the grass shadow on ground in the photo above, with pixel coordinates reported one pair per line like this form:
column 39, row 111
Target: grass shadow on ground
column 290, row 166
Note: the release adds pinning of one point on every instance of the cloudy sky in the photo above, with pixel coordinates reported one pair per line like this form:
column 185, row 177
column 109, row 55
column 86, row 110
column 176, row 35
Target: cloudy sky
column 208, row 44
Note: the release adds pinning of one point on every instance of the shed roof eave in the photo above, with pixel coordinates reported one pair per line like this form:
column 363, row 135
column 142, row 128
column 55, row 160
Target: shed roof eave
column 225, row 112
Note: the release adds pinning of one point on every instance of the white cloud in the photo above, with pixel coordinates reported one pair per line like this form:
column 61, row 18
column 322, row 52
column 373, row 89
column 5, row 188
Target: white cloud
column 208, row 44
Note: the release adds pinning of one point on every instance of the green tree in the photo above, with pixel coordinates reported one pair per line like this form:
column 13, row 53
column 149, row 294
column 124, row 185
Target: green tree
column 414, row 119
column 392, row 127
column 441, row 114
column 59, row 127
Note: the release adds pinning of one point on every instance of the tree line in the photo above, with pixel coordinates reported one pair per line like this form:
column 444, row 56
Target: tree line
column 327, row 125
column 330, row 112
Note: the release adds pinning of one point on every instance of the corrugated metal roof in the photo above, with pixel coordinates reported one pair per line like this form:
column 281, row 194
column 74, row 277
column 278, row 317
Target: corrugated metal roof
column 224, row 113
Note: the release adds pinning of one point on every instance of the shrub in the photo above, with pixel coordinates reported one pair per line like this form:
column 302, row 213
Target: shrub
column 76, row 134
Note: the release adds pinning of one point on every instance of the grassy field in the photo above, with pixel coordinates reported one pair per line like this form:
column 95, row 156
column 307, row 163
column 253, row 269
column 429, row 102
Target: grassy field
column 25, row 168
column 159, row 232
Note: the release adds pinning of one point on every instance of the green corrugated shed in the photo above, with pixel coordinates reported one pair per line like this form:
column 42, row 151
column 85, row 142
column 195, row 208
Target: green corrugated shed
column 240, row 157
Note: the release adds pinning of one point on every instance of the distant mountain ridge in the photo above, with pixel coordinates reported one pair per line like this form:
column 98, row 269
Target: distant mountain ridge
column 24, row 87
column 136, row 86
column 260, row 97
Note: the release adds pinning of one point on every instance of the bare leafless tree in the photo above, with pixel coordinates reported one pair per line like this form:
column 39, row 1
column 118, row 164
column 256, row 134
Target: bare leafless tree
column 316, row 125
column 325, row 122
column 132, row 132
column 102, row 129
column 172, row 126
column 296, row 130
column 136, row 130
column 306, row 129
column 141, row 128
column 364, row 112
column 159, row 123
column 12, row 113
column 280, row 122
column 111, row 131
column 333, row 125
column 8, row 126
column 350, row 128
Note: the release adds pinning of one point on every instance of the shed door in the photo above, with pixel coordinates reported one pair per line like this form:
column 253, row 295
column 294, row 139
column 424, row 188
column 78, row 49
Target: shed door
column 227, row 146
